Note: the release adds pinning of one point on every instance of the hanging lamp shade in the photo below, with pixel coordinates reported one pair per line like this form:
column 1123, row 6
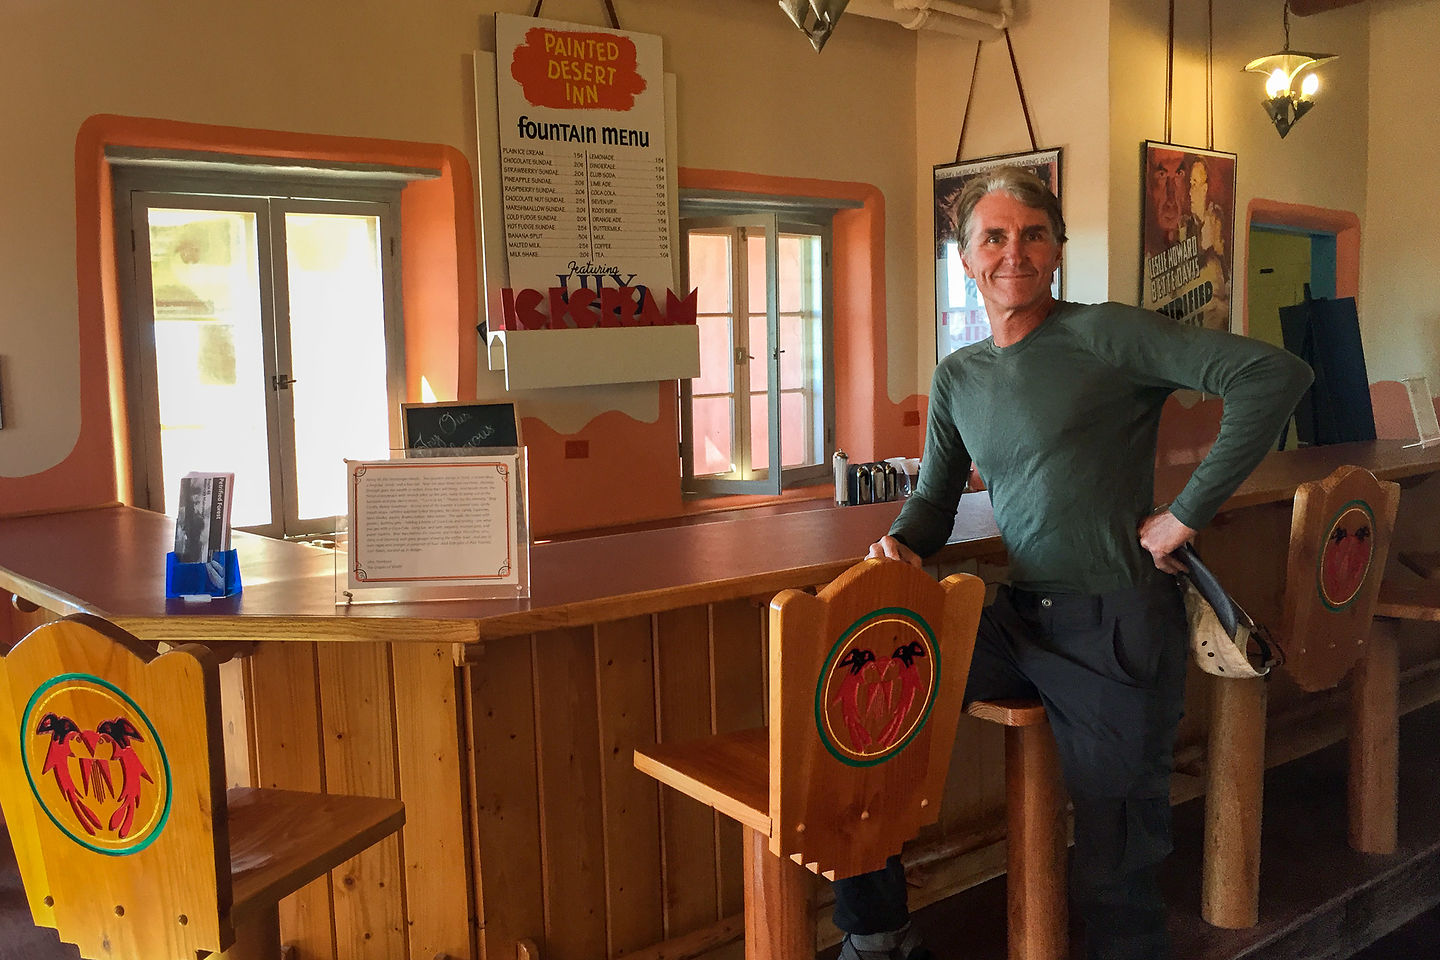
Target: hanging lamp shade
column 1286, row 101
column 815, row 18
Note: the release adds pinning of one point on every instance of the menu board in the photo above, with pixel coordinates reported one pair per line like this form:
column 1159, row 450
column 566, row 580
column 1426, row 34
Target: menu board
column 584, row 175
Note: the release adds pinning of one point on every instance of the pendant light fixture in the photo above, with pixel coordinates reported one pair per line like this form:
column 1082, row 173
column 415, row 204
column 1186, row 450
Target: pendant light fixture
column 1285, row 100
column 815, row 18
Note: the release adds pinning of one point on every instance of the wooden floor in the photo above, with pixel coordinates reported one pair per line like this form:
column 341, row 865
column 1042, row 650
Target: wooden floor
column 1319, row 900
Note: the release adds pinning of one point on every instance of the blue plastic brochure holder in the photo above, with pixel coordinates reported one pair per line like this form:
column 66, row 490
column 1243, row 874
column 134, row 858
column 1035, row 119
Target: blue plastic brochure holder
column 217, row 577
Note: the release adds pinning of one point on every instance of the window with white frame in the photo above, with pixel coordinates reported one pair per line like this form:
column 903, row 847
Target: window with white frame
column 263, row 336
column 764, row 395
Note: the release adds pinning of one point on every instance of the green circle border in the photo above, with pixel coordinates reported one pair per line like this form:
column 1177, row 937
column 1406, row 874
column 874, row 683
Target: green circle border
column 155, row 739
column 913, row 617
column 1320, row 559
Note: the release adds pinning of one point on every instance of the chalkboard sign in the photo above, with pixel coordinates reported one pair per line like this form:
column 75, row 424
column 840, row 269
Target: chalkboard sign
column 459, row 424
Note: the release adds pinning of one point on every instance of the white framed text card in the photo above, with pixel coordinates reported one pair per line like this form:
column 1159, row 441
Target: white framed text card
column 436, row 528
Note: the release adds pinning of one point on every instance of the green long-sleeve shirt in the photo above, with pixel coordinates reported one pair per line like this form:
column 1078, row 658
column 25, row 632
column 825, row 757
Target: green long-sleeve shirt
column 1063, row 425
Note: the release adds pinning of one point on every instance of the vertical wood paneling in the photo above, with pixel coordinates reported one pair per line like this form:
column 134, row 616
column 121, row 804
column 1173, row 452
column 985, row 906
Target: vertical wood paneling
column 285, row 694
column 736, row 667
column 427, row 731
column 235, row 723
column 975, row 784
column 567, row 738
column 500, row 702
column 625, row 669
column 357, row 718
column 682, row 669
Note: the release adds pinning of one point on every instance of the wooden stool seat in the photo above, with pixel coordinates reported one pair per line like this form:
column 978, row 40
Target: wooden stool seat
column 1009, row 713
column 280, row 840
column 1037, row 910
column 1409, row 601
column 1424, row 562
column 730, row 772
column 866, row 679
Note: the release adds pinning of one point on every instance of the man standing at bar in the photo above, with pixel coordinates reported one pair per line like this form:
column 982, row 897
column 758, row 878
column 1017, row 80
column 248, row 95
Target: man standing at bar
column 1059, row 410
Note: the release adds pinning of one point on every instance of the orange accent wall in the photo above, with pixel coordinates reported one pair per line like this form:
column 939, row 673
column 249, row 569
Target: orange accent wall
column 631, row 473
column 440, row 298
column 1344, row 224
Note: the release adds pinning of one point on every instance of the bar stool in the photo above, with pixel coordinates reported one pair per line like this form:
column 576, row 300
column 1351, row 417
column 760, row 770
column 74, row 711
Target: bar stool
column 128, row 844
column 1340, row 537
column 866, row 683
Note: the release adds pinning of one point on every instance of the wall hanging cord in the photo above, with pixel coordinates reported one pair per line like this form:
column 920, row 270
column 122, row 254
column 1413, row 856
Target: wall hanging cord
column 1169, row 71
column 1019, row 87
column 609, row 9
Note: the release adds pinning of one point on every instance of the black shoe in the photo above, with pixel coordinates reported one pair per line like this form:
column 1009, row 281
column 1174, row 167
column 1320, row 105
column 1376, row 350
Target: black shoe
column 902, row 944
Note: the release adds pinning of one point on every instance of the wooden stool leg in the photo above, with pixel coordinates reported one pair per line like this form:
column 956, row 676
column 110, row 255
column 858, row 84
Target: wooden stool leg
column 1230, row 882
column 779, row 904
column 1375, row 742
column 257, row 939
column 1035, row 852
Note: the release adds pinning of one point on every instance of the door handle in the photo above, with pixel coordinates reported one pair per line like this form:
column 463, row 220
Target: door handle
column 281, row 381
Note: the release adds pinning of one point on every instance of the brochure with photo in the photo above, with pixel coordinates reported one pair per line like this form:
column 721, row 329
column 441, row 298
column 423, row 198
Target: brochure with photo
column 202, row 523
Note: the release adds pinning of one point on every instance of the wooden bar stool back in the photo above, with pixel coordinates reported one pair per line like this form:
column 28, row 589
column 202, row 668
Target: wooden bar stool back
column 866, row 686
column 113, row 789
column 1339, row 538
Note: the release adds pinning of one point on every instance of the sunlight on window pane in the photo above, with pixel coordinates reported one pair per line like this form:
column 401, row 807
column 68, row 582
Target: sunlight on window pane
column 337, row 343
column 209, row 354
column 717, row 356
column 755, row 263
column 759, row 431
column 711, row 420
column 710, row 271
column 801, row 359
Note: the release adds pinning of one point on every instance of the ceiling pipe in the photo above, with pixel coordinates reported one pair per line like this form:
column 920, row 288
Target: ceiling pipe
column 940, row 16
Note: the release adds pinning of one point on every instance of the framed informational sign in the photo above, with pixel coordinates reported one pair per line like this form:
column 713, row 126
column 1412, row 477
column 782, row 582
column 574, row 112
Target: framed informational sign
column 959, row 312
column 435, row 529
column 1188, row 234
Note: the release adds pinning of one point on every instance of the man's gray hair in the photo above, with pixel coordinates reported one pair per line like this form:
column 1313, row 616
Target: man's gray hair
column 1018, row 183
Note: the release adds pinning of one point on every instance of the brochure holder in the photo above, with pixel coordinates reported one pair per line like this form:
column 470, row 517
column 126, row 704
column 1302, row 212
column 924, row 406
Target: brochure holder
column 1422, row 406
column 435, row 527
column 217, row 577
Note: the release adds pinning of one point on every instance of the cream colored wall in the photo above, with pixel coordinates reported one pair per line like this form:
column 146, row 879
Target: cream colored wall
column 1061, row 50
column 752, row 94
column 1322, row 161
column 368, row 69
column 1400, row 255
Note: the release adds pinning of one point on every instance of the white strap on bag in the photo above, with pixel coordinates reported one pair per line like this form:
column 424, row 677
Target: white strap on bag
column 1220, row 630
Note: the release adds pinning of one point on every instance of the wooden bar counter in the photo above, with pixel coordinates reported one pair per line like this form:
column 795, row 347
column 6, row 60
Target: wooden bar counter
column 507, row 726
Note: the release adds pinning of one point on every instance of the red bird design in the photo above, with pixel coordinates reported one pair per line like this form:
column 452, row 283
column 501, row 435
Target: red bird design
column 909, row 686
column 120, row 732
column 849, row 696
column 882, row 703
column 63, row 732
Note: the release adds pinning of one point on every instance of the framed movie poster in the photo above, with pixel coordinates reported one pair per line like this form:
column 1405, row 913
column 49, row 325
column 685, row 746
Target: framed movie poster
column 959, row 312
column 1188, row 234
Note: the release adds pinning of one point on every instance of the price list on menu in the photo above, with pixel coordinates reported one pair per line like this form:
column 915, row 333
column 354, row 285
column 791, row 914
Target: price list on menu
column 601, row 207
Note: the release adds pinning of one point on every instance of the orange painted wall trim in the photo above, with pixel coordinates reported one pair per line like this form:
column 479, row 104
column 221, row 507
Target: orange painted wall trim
column 1344, row 224
column 440, row 294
